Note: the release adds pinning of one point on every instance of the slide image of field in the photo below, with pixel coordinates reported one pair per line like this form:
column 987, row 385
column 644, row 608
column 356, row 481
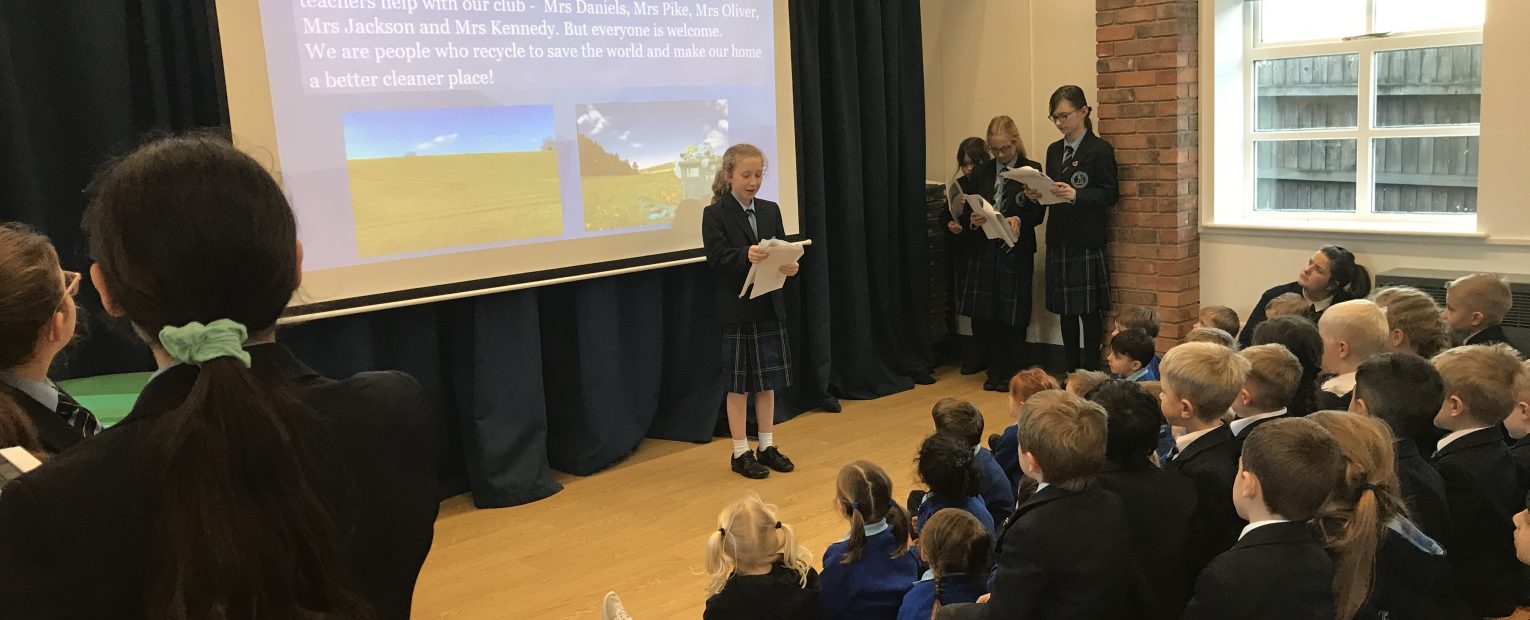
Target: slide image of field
column 639, row 161
column 443, row 178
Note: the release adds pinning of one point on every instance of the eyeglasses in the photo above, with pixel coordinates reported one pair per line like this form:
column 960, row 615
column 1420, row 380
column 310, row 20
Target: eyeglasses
column 1002, row 150
column 71, row 286
column 1061, row 116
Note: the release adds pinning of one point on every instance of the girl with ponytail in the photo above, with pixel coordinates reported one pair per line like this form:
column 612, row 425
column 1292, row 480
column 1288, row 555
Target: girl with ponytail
column 950, row 469
column 1083, row 168
column 1331, row 276
column 866, row 573
column 1383, row 566
column 757, row 567
column 956, row 548
column 242, row 484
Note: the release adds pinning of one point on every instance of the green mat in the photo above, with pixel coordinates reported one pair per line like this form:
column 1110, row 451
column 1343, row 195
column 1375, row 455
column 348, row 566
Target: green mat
column 110, row 397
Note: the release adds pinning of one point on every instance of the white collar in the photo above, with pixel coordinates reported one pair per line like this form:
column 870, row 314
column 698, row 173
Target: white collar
column 1040, row 486
column 1340, row 385
column 976, row 449
column 1446, row 440
column 871, row 529
column 1183, row 441
column 1137, row 375
column 929, row 575
column 1258, row 524
column 1239, row 424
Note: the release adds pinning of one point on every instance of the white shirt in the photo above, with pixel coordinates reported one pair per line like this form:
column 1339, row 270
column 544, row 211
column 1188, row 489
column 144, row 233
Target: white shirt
column 1446, row 440
column 1239, row 424
column 1340, row 385
column 1321, row 304
column 1040, row 486
column 1137, row 374
column 1258, row 524
column 1073, row 145
column 1183, row 441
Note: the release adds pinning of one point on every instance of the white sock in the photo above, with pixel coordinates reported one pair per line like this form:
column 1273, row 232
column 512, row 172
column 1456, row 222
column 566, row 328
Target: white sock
column 766, row 440
column 740, row 446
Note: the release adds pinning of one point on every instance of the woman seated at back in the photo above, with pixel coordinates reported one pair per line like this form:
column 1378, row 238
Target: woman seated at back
column 242, row 484
column 1331, row 276
column 37, row 319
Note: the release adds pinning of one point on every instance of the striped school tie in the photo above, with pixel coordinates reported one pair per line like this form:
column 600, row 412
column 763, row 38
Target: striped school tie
column 77, row 417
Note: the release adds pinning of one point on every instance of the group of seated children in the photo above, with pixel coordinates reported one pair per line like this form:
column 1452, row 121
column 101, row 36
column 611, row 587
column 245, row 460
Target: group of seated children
column 1326, row 471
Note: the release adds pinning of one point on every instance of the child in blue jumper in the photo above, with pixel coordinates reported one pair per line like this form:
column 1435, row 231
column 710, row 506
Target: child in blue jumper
column 866, row 573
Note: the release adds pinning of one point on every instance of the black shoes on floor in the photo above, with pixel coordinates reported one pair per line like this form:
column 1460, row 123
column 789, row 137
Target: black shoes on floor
column 754, row 464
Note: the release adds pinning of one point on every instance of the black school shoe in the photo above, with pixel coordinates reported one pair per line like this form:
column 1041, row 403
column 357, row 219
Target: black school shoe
column 773, row 459
column 745, row 465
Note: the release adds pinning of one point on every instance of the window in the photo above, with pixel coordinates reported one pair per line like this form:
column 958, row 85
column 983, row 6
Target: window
column 1360, row 110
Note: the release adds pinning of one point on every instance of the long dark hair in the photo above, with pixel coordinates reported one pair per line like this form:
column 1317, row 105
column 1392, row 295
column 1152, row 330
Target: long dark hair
column 249, row 506
column 1074, row 95
column 1344, row 273
column 1300, row 336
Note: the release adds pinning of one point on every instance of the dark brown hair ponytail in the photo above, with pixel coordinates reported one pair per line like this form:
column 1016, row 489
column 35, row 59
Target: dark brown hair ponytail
column 250, row 506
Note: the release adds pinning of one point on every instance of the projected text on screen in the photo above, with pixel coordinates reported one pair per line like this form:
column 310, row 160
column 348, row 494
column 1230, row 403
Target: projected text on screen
column 410, row 129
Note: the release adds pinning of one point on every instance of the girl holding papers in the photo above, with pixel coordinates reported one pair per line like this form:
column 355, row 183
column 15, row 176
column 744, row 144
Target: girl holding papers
column 998, row 295
column 756, row 353
column 1078, row 281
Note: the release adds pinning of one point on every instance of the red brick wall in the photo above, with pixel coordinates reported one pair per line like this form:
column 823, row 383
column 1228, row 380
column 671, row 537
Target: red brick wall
column 1147, row 108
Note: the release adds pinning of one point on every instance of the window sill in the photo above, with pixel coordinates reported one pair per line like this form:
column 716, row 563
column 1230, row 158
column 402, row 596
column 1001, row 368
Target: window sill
column 1370, row 229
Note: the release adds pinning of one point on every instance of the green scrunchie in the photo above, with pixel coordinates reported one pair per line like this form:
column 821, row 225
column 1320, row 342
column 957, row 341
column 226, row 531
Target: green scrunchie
column 195, row 343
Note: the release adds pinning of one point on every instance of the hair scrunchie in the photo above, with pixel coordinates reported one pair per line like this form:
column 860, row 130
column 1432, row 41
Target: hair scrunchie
column 195, row 343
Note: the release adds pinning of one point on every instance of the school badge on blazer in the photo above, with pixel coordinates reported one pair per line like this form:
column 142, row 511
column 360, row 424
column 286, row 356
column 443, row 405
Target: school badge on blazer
column 1080, row 179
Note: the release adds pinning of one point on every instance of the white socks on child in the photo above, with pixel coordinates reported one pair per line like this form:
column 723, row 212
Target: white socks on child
column 766, row 440
column 740, row 446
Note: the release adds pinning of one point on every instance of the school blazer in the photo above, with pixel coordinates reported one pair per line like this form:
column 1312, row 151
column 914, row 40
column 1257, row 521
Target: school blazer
column 1159, row 506
column 1482, row 488
column 1493, row 335
column 1423, row 490
column 1277, row 572
column 726, row 235
column 86, row 513
column 1064, row 554
column 1092, row 172
column 1031, row 214
column 1257, row 316
column 53, row 431
column 1211, row 462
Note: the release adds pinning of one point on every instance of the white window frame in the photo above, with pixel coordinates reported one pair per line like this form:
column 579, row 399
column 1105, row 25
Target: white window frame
column 1364, row 134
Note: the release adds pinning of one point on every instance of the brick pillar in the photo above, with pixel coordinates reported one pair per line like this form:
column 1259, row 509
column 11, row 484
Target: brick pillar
column 1147, row 108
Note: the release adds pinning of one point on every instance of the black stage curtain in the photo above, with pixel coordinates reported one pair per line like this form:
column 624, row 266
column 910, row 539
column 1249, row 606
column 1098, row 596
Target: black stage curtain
column 572, row 376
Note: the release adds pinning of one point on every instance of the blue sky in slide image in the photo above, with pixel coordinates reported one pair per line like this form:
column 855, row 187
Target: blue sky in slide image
column 654, row 132
column 371, row 134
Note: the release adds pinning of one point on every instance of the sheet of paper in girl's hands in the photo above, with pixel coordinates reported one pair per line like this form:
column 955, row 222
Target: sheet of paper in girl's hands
column 1033, row 179
column 995, row 227
column 765, row 276
column 954, row 200
column 14, row 462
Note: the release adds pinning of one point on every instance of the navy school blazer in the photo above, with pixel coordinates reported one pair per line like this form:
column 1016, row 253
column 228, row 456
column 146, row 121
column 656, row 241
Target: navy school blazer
column 1092, row 173
column 726, row 235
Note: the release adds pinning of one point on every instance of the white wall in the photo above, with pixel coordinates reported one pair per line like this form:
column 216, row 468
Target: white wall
column 1237, row 265
column 984, row 58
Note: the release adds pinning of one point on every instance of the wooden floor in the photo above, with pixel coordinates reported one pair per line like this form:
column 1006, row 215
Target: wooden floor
column 639, row 528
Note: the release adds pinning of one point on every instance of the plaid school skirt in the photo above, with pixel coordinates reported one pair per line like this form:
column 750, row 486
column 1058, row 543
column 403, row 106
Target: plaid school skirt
column 995, row 284
column 757, row 356
column 1078, row 281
